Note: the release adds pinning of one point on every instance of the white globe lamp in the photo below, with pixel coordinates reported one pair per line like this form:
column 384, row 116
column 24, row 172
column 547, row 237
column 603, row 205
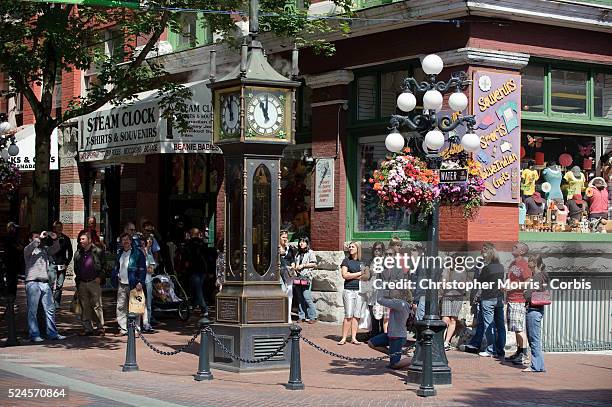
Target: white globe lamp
column 13, row 150
column 458, row 101
column 432, row 100
column 432, row 64
column 434, row 139
column 394, row 142
column 406, row 102
column 4, row 127
column 470, row 142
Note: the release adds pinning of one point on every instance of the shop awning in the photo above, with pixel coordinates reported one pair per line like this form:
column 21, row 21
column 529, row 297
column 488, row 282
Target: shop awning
column 137, row 129
column 25, row 138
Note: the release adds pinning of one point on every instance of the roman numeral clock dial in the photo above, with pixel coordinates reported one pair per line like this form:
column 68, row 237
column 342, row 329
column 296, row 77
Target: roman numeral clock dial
column 230, row 113
column 265, row 115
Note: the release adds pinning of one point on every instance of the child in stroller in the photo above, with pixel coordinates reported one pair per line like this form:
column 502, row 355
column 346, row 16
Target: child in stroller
column 165, row 299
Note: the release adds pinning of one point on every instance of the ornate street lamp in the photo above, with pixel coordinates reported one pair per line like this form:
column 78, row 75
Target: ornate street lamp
column 7, row 150
column 429, row 365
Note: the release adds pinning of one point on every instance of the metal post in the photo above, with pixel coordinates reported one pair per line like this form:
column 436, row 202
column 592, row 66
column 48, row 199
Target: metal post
column 203, row 372
column 295, row 369
column 130, row 364
column 10, row 321
column 427, row 389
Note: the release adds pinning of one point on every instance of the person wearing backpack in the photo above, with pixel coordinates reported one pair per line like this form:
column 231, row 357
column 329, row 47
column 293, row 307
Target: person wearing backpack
column 535, row 311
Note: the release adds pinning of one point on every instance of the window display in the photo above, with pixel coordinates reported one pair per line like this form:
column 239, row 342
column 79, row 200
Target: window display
column 371, row 216
column 559, row 185
column 296, row 179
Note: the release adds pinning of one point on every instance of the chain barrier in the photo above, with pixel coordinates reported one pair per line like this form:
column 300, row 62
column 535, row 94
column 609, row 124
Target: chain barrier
column 350, row 359
column 243, row 360
column 166, row 353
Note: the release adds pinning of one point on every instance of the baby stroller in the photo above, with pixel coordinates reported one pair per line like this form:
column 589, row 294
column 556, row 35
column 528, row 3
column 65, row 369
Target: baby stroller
column 165, row 298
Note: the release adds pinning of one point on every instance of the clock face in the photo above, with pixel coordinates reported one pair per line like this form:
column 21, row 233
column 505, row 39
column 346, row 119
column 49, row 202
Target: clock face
column 230, row 113
column 265, row 113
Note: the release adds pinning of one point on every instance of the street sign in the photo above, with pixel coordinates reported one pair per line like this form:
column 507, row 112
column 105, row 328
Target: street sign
column 455, row 175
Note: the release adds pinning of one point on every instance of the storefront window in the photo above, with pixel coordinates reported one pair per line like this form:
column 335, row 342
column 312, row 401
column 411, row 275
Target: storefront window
column 532, row 91
column 603, row 96
column 371, row 215
column 556, row 169
column 390, row 87
column 366, row 97
column 568, row 91
column 296, row 180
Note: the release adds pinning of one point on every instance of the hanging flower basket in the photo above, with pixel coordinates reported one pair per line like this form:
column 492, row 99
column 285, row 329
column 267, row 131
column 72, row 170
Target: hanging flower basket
column 9, row 178
column 467, row 195
column 405, row 182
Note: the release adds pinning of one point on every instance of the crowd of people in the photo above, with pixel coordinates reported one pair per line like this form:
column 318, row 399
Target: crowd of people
column 388, row 314
column 138, row 257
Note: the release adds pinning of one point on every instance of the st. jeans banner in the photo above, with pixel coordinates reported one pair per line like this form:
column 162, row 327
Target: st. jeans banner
column 497, row 108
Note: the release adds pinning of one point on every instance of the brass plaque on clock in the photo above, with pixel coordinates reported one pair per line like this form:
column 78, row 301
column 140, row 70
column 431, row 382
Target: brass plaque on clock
column 260, row 310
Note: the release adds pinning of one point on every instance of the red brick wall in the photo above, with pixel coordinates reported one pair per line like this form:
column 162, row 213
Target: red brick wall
column 328, row 226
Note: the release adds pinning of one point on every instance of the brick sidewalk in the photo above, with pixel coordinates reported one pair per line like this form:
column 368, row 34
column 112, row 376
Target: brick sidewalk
column 572, row 379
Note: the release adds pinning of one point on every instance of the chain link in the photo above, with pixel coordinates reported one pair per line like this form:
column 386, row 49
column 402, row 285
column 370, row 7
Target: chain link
column 166, row 353
column 350, row 359
column 243, row 360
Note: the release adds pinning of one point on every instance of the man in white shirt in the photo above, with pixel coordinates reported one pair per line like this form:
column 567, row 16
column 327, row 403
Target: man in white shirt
column 124, row 285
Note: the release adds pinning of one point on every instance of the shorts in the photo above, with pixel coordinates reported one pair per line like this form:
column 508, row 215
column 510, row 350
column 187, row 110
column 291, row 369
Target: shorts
column 450, row 308
column 516, row 316
column 352, row 303
column 395, row 346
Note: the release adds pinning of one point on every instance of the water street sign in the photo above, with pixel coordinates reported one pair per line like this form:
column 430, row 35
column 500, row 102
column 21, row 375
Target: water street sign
column 453, row 175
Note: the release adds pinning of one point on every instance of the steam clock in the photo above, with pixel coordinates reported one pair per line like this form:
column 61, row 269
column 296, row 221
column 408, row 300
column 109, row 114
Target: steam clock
column 253, row 123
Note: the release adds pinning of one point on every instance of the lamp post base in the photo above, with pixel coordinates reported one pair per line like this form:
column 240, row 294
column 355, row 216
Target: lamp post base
column 441, row 372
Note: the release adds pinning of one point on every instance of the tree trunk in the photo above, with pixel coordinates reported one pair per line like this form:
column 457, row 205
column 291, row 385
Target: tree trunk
column 40, row 191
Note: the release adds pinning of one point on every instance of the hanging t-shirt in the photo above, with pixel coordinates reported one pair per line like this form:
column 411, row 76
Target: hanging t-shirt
column 509, row 113
column 575, row 184
column 553, row 177
column 529, row 178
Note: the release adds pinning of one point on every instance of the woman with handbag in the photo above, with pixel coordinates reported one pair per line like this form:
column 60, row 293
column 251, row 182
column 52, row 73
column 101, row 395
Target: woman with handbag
column 304, row 263
column 536, row 299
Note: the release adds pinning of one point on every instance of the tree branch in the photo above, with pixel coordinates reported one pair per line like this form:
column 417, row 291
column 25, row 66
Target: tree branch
column 137, row 62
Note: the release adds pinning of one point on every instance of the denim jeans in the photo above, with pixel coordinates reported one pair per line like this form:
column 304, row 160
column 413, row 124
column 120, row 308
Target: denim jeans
column 394, row 344
column 304, row 294
column 534, row 336
column 476, row 340
column 149, row 300
column 494, row 325
column 420, row 311
column 56, row 280
column 40, row 292
column 196, row 281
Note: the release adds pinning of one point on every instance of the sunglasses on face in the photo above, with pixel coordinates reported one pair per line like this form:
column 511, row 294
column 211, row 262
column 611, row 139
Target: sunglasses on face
column 390, row 254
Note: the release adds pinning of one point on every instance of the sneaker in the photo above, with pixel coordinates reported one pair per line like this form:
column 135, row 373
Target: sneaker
column 37, row 339
column 447, row 346
column 521, row 359
column 468, row 348
column 485, row 354
column 58, row 338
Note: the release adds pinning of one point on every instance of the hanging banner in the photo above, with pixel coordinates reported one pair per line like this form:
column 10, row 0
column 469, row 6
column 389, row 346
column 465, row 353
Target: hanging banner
column 25, row 138
column 138, row 129
column 496, row 101
column 103, row 3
